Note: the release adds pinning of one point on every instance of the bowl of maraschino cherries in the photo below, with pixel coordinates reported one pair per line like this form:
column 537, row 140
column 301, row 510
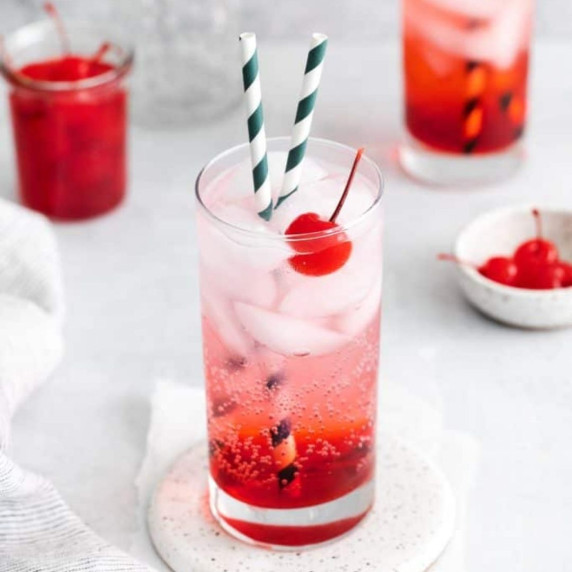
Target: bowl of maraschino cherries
column 515, row 265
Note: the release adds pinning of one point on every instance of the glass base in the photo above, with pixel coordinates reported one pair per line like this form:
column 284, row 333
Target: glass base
column 73, row 213
column 440, row 168
column 409, row 526
column 290, row 529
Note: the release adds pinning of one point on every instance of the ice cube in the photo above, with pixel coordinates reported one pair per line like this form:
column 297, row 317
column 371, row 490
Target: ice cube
column 230, row 187
column 356, row 318
column 235, row 184
column 242, row 270
column 287, row 335
column 498, row 40
column 239, row 184
column 322, row 296
column 255, row 287
column 312, row 171
column 242, row 215
column 219, row 311
column 509, row 33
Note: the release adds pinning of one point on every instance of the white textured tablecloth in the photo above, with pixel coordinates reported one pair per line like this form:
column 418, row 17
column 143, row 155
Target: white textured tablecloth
column 178, row 419
column 38, row 531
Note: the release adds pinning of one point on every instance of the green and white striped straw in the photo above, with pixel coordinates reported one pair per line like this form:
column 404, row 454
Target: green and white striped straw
column 304, row 115
column 256, row 133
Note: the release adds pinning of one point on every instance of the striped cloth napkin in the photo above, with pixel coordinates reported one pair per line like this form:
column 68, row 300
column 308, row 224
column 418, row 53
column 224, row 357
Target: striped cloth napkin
column 38, row 531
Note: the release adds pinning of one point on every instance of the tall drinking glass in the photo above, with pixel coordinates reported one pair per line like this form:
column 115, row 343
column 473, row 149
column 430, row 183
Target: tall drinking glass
column 465, row 71
column 291, row 343
column 70, row 134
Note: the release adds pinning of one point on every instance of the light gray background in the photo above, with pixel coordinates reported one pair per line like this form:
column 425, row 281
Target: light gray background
column 355, row 20
column 133, row 304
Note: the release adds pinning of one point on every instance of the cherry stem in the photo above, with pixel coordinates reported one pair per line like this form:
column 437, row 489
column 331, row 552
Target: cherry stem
column 100, row 53
column 538, row 221
column 342, row 200
column 53, row 13
column 453, row 258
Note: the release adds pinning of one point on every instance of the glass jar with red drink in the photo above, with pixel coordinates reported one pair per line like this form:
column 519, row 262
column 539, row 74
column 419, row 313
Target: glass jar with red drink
column 68, row 101
column 465, row 86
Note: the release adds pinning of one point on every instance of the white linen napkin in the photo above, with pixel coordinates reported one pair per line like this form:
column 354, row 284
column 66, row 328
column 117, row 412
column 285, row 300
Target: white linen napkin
column 38, row 531
column 178, row 420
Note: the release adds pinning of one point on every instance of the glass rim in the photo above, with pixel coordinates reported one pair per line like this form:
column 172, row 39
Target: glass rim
column 17, row 79
column 380, row 185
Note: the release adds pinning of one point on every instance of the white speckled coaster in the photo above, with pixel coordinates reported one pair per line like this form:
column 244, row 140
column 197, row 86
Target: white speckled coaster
column 406, row 531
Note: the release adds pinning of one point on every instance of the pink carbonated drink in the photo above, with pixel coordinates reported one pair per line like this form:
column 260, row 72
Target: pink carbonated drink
column 291, row 340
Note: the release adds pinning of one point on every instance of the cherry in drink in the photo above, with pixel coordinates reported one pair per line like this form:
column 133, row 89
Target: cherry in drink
column 290, row 316
column 465, row 71
column 68, row 102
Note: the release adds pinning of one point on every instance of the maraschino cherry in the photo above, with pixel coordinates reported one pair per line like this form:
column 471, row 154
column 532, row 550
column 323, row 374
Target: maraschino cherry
column 545, row 277
column 501, row 269
column 535, row 264
column 536, row 260
column 567, row 268
column 325, row 254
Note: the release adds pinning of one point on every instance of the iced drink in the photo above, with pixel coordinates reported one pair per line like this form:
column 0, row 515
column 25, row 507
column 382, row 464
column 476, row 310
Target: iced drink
column 290, row 354
column 466, row 67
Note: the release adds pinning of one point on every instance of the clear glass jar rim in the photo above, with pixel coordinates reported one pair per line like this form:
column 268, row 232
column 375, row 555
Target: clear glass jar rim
column 298, row 237
column 16, row 79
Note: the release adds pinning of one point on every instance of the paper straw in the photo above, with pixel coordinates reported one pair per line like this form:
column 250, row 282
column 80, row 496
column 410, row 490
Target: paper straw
column 283, row 440
column 473, row 113
column 304, row 115
column 256, row 132
column 284, row 445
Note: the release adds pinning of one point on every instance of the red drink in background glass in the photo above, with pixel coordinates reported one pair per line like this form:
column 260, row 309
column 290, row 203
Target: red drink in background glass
column 69, row 116
column 465, row 71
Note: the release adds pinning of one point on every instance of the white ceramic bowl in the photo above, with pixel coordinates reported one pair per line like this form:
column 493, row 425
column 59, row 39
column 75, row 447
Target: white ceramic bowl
column 499, row 232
